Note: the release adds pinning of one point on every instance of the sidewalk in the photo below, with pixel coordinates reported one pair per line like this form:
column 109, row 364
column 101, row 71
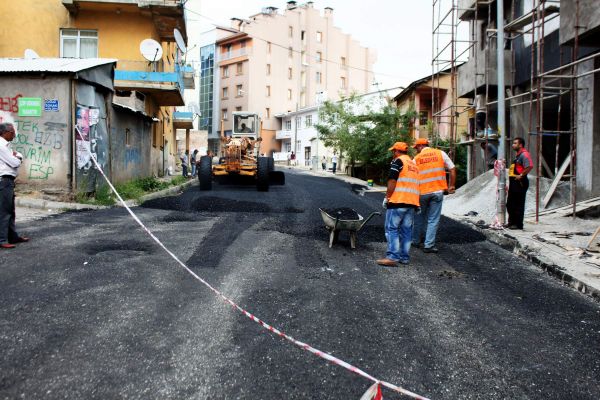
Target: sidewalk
column 556, row 244
column 32, row 208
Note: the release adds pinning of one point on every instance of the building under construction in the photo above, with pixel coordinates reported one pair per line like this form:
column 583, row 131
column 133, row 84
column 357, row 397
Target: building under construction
column 551, row 85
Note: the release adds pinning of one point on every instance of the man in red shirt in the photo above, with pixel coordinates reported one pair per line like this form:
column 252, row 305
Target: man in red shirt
column 518, row 184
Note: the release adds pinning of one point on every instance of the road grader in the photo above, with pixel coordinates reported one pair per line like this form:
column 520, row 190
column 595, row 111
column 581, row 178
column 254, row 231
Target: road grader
column 240, row 157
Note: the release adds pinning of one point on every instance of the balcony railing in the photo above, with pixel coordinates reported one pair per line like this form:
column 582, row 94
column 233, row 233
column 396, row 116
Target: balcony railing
column 283, row 134
column 144, row 71
column 232, row 54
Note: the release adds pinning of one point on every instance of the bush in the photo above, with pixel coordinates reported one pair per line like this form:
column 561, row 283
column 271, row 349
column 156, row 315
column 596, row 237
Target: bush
column 178, row 180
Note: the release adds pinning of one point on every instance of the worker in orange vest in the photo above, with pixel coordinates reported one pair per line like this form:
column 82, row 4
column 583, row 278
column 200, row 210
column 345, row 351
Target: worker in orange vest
column 401, row 200
column 432, row 164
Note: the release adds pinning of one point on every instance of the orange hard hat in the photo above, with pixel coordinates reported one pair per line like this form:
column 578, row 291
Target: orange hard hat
column 422, row 141
column 399, row 146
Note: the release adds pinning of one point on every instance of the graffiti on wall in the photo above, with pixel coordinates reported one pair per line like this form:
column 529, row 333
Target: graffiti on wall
column 10, row 104
column 37, row 141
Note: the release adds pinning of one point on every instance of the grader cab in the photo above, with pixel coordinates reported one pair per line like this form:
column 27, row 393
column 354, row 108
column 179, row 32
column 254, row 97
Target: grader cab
column 240, row 157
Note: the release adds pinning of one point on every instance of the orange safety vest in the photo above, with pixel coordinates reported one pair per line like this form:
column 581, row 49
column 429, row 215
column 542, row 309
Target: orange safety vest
column 432, row 171
column 407, row 185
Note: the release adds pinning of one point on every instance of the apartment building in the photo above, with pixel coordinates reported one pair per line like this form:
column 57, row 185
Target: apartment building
column 277, row 62
column 114, row 30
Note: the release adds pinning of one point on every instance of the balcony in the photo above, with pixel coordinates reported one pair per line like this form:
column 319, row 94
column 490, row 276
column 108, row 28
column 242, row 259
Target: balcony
column 466, row 9
column 166, row 87
column 183, row 120
column 283, row 134
column 165, row 14
column 240, row 53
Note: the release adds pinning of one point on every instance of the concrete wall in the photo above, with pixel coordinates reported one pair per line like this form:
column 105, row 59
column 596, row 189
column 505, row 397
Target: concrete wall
column 44, row 141
column 589, row 20
column 130, row 160
column 588, row 131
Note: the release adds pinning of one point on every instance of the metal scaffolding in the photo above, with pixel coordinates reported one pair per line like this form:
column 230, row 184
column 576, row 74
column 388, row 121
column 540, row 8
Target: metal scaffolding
column 546, row 94
column 449, row 50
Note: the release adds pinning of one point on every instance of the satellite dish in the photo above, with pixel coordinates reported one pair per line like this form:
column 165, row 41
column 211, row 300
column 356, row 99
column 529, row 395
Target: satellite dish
column 31, row 54
column 151, row 50
column 179, row 40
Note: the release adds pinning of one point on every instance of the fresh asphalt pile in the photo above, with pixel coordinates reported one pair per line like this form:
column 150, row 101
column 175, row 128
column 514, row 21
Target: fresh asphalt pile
column 92, row 309
column 343, row 213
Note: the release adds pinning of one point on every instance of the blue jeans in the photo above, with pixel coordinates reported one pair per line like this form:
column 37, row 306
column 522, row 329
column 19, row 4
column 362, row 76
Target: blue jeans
column 431, row 210
column 193, row 168
column 398, row 229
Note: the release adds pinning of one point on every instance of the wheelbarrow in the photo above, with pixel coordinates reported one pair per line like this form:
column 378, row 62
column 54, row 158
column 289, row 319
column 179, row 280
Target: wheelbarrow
column 335, row 225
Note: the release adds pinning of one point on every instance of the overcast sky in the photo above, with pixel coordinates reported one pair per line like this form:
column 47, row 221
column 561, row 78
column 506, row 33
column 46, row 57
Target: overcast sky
column 399, row 30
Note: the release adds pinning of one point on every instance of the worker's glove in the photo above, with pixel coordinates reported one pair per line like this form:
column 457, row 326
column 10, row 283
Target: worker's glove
column 385, row 203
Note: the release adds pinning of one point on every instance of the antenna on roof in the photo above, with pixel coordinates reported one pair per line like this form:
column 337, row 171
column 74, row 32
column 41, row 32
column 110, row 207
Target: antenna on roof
column 30, row 54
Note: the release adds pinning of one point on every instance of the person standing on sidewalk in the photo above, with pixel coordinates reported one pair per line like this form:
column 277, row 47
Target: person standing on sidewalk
column 324, row 163
column 432, row 164
column 334, row 161
column 193, row 159
column 518, row 184
column 184, row 163
column 10, row 161
column 401, row 200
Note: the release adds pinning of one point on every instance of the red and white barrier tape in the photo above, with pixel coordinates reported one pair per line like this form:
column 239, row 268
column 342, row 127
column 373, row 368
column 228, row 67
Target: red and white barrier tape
column 298, row 343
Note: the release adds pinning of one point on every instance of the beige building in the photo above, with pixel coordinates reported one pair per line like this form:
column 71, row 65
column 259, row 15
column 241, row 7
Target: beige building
column 279, row 61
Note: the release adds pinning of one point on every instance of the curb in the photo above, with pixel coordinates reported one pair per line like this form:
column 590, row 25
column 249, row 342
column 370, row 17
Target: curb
column 513, row 245
column 41, row 204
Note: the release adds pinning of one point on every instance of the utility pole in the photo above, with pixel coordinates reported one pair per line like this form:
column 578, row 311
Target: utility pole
column 501, row 204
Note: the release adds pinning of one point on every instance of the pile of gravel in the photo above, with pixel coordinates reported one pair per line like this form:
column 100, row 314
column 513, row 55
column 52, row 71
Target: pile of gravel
column 343, row 213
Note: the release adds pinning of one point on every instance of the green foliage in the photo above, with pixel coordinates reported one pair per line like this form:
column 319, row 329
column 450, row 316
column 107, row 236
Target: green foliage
column 459, row 154
column 178, row 180
column 134, row 189
column 366, row 135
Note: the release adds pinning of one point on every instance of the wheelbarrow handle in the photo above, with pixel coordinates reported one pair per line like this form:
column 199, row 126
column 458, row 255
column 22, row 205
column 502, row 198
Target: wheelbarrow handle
column 367, row 219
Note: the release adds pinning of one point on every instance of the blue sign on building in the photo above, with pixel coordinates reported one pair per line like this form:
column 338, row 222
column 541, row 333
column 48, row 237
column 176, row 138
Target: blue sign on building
column 51, row 105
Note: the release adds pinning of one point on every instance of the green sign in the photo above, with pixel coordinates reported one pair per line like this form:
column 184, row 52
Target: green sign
column 30, row 106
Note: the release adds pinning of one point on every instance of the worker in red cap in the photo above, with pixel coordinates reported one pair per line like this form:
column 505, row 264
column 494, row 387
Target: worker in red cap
column 432, row 164
column 401, row 200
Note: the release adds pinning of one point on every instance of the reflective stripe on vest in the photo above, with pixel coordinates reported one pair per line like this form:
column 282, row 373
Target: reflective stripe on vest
column 432, row 172
column 407, row 185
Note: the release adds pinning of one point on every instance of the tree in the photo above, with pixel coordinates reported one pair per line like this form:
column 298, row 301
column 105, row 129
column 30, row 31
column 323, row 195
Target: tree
column 362, row 133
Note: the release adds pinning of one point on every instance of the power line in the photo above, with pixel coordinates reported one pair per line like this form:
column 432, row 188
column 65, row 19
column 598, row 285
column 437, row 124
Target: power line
column 217, row 24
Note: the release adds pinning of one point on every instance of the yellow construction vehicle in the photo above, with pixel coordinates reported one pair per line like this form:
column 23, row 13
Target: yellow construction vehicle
column 240, row 156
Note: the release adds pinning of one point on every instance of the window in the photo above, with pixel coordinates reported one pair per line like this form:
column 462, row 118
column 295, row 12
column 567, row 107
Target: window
column 268, row 47
column 225, row 71
column 302, row 35
column 78, row 43
column 343, row 61
column 288, row 147
column 225, row 93
column 298, row 146
column 128, row 138
column 343, row 82
column 238, row 108
column 289, row 94
column 239, row 68
column 303, row 78
column 243, row 46
column 267, row 113
column 303, row 57
column 319, row 56
column 290, row 52
column 423, row 117
column 290, row 31
column 308, row 121
column 298, row 122
column 239, row 91
column 228, row 50
column 290, row 73
column 319, row 37
column 303, row 99
column 268, row 69
column 224, row 114
column 268, row 91
column 288, row 125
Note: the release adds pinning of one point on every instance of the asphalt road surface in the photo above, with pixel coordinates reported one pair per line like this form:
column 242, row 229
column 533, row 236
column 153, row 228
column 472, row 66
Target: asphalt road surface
column 91, row 308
